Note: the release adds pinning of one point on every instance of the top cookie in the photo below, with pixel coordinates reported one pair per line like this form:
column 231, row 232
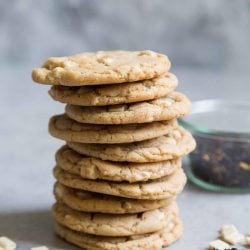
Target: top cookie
column 102, row 67
column 116, row 94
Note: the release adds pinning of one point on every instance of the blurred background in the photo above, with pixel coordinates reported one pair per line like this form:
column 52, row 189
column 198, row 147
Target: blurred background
column 207, row 41
column 211, row 34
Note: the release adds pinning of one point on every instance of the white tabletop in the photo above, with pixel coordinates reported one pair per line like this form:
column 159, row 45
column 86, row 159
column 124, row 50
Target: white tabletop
column 27, row 159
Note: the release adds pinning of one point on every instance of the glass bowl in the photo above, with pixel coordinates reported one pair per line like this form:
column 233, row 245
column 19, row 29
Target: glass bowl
column 221, row 160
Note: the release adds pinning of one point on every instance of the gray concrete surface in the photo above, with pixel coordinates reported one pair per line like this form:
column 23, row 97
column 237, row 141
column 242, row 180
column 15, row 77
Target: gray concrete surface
column 27, row 159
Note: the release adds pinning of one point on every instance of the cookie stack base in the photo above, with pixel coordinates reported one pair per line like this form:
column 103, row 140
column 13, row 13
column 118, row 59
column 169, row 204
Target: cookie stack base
column 153, row 241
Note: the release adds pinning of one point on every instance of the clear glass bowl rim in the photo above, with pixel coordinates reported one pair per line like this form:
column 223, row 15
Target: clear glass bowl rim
column 215, row 103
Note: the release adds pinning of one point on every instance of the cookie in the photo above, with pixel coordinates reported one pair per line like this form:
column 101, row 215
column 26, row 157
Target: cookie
column 62, row 127
column 114, row 224
column 164, row 188
column 115, row 94
column 176, row 143
column 154, row 241
column 166, row 108
column 102, row 67
column 99, row 203
column 94, row 168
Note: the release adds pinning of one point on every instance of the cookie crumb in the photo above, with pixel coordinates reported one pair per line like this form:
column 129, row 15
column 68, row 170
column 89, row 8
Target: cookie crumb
column 244, row 165
column 218, row 245
column 7, row 244
column 40, row 248
column 230, row 234
column 205, row 157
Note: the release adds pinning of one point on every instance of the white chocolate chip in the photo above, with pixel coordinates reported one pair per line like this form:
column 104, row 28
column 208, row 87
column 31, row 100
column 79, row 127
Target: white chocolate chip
column 7, row 244
column 40, row 248
column 99, row 54
column 108, row 61
column 161, row 216
column 57, row 71
column 67, row 216
column 218, row 245
column 171, row 225
column 136, row 69
column 145, row 175
column 167, row 102
column 147, row 53
column 70, row 64
column 176, row 134
column 230, row 234
column 171, row 141
column 105, row 60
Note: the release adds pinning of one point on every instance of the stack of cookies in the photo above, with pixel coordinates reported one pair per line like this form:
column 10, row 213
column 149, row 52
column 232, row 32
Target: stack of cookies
column 119, row 172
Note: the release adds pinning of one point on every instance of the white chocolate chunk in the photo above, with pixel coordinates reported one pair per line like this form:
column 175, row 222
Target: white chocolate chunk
column 218, row 245
column 7, row 244
column 247, row 240
column 40, row 248
column 117, row 108
column 230, row 234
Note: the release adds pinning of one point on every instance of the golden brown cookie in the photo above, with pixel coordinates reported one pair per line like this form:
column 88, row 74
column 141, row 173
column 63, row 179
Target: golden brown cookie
column 177, row 143
column 102, row 67
column 154, row 241
column 62, row 127
column 114, row 224
column 164, row 188
column 116, row 94
column 94, row 168
column 166, row 108
column 100, row 203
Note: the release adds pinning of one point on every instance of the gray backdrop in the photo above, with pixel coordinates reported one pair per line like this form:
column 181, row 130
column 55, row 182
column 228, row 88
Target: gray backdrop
column 208, row 34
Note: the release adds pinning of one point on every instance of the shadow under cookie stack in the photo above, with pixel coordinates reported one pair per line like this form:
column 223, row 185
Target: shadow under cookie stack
column 119, row 173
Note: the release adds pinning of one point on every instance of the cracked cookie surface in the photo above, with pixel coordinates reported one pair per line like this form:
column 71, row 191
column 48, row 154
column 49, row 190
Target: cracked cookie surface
column 94, row 168
column 170, row 107
column 102, row 67
column 114, row 224
column 116, row 94
column 154, row 241
column 177, row 143
column 99, row 203
column 163, row 188
column 62, row 127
